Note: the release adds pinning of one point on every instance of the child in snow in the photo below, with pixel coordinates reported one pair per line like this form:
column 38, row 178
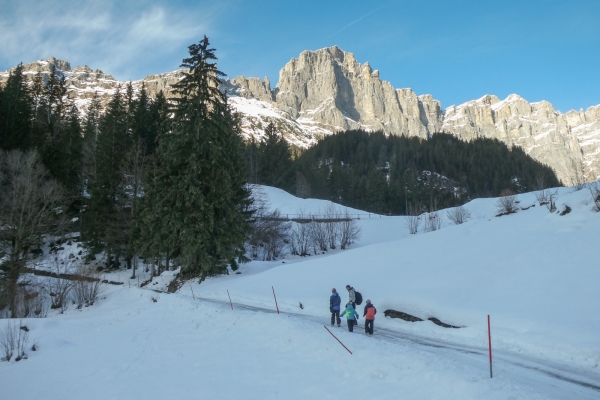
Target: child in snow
column 334, row 306
column 351, row 316
column 369, row 315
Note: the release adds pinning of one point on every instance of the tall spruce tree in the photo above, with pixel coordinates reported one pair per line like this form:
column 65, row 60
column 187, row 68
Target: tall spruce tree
column 275, row 161
column 102, row 219
column 160, row 122
column 195, row 194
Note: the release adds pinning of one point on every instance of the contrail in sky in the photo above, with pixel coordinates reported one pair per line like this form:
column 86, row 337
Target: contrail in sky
column 361, row 18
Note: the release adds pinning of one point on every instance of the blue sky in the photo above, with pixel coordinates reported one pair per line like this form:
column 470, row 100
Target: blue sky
column 456, row 51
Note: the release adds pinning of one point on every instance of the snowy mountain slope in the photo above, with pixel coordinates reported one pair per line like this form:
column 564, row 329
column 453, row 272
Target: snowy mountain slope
column 533, row 272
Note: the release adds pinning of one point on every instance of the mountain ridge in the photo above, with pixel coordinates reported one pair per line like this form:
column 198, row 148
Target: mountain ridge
column 328, row 90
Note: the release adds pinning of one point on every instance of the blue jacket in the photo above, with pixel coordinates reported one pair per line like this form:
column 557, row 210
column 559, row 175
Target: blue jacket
column 334, row 301
column 349, row 312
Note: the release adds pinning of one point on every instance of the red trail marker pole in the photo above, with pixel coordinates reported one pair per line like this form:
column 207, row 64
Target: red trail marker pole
column 337, row 339
column 230, row 303
column 490, row 345
column 275, row 297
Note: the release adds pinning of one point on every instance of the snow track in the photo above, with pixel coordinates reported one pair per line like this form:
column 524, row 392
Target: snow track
column 560, row 381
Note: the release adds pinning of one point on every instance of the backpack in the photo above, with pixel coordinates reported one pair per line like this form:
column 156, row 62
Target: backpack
column 357, row 298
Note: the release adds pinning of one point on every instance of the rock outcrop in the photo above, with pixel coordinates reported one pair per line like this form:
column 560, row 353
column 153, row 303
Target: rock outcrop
column 327, row 90
column 545, row 134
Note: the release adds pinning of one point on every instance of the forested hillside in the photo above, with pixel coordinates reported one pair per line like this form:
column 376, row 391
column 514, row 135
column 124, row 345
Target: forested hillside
column 163, row 180
column 392, row 174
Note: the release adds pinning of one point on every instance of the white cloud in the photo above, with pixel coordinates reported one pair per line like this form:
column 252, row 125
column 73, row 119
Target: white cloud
column 128, row 39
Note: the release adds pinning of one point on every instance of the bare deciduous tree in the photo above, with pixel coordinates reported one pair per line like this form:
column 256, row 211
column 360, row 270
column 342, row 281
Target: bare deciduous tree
column 433, row 221
column 332, row 228
column 87, row 289
column 318, row 236
column 59, row 288
column 539, row 181
column 458, row 215
column 13, row 338
column 412, row 218
column 269, row 235
column 577, row 177
column 507, row 203
column 7, row 339
column 270, row 231
column 31, row 204
column 300, row 239
column 349, row 231
column 595, row 191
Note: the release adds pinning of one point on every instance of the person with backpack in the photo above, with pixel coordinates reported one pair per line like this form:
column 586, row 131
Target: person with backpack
column 354, row 297
column 351, row 316
column 334, row 306
column 369, row 315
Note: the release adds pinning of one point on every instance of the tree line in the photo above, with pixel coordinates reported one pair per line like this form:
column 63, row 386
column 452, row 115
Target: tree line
column 395, row 174
column 156, row 178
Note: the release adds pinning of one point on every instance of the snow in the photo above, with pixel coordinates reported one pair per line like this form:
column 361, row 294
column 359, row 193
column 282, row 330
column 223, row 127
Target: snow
column 534, row 272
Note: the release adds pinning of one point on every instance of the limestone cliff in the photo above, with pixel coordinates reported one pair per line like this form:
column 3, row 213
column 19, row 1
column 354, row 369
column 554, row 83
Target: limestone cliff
column 330, row 89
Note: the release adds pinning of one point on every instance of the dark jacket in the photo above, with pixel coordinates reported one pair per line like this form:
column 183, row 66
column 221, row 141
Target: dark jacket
column 370, row 305
column 334, row 301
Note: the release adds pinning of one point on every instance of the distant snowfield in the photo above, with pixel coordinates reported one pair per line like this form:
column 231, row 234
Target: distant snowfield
column 535, row 273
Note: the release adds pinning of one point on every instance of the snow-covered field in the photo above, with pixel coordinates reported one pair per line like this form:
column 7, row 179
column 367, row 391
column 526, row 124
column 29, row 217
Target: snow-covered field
column 535, row 273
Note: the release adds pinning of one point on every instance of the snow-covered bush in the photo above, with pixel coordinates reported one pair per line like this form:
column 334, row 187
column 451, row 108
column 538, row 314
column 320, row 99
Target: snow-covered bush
column 458, row 215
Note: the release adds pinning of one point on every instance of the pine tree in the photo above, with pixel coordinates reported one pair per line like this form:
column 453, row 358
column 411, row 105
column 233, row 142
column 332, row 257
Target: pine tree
column 103, row 222
column 196, row 191
column 160, row 122
column 275, row 162
column 15, row 112
column 70, row 146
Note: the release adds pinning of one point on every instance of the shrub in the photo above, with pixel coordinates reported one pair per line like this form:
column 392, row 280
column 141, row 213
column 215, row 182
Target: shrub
column 86, row 290
column 507, row 204
column 458, row 215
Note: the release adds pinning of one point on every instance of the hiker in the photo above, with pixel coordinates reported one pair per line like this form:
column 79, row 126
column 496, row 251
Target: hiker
column 351, row 316
column 369, row 315
column 352, row 295
column 334, row 306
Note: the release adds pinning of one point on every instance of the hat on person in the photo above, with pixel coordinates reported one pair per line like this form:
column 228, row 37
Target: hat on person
column 368, row 301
